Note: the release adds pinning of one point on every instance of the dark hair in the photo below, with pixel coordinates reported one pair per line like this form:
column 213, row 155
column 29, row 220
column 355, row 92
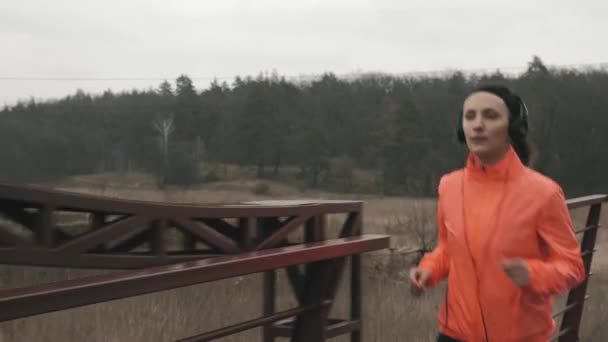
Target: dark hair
column 518, row 120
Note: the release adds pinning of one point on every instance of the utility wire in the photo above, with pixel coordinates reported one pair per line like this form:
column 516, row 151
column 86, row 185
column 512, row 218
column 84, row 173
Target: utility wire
column 600, row 65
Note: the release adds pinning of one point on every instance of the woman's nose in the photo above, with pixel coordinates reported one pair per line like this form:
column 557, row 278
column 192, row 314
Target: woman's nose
column 478, row 124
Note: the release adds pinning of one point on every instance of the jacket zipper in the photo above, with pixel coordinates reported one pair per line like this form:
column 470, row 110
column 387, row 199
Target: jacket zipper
column 483, row 319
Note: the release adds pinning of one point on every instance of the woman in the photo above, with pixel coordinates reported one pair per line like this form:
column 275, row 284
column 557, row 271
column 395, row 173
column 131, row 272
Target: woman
column 505, row 238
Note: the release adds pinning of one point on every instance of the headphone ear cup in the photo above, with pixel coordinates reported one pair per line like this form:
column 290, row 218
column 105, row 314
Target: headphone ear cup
column 518, row 127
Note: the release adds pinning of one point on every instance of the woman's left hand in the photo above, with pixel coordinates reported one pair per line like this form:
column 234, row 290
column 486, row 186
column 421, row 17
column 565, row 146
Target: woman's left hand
column 517, row 270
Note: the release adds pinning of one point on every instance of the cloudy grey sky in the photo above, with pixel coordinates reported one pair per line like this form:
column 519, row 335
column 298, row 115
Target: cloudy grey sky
column 74, row 40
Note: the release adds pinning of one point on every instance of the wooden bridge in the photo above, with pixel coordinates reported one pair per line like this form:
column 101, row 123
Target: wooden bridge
column 176, row 245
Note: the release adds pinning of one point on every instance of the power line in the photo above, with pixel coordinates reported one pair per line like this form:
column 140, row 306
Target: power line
column 600, row 65
column 69, row 79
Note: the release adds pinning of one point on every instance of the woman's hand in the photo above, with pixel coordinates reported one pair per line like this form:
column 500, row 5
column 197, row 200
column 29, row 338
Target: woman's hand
column 418, row 280
column 517, row 270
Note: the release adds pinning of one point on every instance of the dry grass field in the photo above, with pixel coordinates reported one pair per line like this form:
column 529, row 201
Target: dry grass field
column 390, row 314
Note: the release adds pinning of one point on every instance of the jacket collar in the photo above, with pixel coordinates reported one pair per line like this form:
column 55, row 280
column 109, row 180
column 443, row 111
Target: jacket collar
column 509, row 166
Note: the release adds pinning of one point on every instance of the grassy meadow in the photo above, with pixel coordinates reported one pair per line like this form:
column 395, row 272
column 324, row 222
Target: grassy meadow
column 390, row 312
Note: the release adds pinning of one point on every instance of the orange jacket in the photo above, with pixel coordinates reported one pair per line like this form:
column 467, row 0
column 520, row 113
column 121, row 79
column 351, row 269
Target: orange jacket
column 488, row 214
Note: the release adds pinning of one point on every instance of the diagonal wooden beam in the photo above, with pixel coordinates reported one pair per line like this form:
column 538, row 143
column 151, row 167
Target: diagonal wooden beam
column 296, row 279
column 222, row 226
column 29, row 221
column 59, row 236
column 18, row 215
column 352, row 225
column 132, row 239
column 131, row 242
column 338, row 266
column 12, row 239
column 208, row 235
column 91, row 239
column 290, row 225
column 322, row 281
column 265, row 226
column 96, row 221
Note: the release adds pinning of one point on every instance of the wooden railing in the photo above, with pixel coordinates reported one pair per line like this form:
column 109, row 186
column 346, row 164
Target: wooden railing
column 573, row 310
column 176, row 245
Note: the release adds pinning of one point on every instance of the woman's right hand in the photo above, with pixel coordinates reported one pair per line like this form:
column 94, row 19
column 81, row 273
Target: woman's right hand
column 418, row 280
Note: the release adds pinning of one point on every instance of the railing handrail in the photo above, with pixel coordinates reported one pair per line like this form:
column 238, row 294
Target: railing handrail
column 23, row 302
column 76, row 201
column 584, row 201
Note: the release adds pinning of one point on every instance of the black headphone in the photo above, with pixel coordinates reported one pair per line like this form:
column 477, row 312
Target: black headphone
column 518, row 122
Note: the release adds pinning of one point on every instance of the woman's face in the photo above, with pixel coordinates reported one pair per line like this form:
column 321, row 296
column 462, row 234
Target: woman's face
column 485, row 123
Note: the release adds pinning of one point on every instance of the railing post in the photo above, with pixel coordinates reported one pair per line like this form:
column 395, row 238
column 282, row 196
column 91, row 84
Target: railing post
column 269, row 303
column 315, row 229
column 97, row 221
column 246, row 226
column 311, row 326
column 45, row 227
column 572, row 318
column 158, row 241
column 265, row 227
column 356, row 303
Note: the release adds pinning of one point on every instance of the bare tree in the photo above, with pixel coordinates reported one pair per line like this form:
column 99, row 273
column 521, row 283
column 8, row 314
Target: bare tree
column 164, row 127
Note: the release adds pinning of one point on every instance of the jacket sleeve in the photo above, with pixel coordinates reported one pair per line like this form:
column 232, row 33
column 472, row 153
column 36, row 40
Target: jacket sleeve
column 562, row 268
column 437, row 261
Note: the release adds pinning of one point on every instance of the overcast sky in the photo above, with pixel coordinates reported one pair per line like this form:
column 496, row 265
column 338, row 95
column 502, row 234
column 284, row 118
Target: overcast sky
column 153, row 39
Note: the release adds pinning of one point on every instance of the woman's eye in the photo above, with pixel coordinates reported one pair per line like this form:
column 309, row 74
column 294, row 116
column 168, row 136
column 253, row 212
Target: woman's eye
column 490, row 114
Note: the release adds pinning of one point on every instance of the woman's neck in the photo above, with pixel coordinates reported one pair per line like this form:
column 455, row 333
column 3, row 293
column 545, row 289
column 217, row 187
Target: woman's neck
column 491, row 159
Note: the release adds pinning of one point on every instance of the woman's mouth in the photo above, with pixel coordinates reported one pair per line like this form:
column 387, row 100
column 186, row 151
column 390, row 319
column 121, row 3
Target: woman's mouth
column 479, row 139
